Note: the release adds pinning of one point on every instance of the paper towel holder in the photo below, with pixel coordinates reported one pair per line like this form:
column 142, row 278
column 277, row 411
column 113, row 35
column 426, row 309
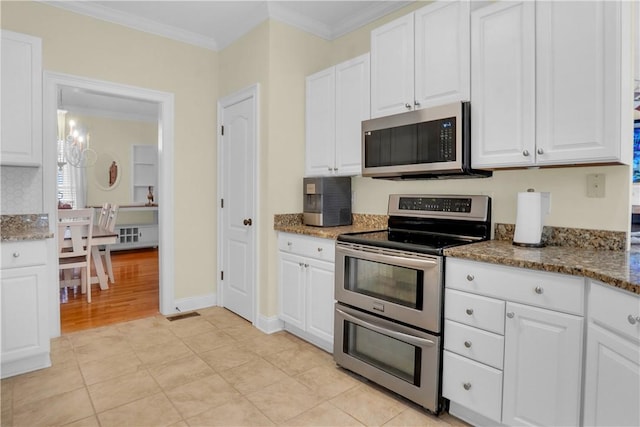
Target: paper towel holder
column 532, row 210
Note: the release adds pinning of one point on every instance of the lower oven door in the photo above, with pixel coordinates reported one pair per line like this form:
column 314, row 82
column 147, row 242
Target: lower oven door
column 403, row 286
column 402, row 359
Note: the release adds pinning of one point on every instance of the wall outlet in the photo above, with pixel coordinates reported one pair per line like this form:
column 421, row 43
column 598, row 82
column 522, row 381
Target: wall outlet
column 595, row 185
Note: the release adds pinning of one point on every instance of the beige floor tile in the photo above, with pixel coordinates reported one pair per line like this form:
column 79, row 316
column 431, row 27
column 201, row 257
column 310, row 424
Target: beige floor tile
column 151, row 337
column 284, row 400
column 270, row 344
column 368, row 405
column 208, row 341
column 296, row 360
column 239, row 413
column 417, row 418
column 228, row 356
column 152, row 411
column 102, row 348
column 6, row 417
column 180, row 371
column 451, row 420
column 79, row 339
column 55, row 410
column 180, row 424
column 201, row 395
column 244, row 332
column 159, row 353
column 327, row 381
column 91, row 421
column 141, row 325
column 44, row 383
column 253, row 376
column 324, row 414
column 121, row 390
column 96, row 371
column 191, row 326
column 222, row 318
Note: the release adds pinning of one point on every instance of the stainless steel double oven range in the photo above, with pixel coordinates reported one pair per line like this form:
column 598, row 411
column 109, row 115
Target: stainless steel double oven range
column 389, row 288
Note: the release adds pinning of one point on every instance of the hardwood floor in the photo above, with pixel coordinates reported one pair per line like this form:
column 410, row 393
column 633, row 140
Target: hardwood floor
column 134, row 295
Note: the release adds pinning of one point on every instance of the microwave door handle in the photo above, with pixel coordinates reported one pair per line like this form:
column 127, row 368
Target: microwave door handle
column 386, row 258
column 420, row 342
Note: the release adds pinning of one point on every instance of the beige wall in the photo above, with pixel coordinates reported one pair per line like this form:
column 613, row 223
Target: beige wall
column 79, row 45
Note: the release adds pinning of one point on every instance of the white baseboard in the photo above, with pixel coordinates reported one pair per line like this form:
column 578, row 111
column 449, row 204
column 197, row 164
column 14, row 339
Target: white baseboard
column 194, row 303
column 269, row 325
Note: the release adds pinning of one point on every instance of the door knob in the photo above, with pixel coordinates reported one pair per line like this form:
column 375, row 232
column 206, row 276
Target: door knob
column 247, row 221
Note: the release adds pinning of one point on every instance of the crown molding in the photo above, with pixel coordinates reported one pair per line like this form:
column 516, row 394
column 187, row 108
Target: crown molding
column 369, row 15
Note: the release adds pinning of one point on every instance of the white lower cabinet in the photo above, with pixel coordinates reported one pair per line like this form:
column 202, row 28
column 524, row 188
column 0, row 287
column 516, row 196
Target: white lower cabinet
column 612, row 379
column 513, row 345
column 24, row 308
column 306, row 286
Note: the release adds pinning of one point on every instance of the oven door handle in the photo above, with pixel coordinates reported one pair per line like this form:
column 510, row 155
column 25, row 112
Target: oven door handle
column 382, row 255
column 420, row 342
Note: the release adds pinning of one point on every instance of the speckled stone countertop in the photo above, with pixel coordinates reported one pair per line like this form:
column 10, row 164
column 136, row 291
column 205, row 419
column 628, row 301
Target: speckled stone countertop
column 616, row 268
column 292, row 223
column 15, row 228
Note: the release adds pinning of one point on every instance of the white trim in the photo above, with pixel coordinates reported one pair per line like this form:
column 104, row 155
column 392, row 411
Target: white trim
column 269, row 325
column 196, row 303
column 52, row 81
column 115, row 115
column 251, row 92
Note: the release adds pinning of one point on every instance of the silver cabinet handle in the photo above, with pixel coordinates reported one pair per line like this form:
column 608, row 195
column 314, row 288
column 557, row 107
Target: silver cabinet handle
column 16, row 254
column 335, row 169
column 306, row 265
column 301, row 264
column 329, row 168
column 407, row 106
column 466, row 386
column 539, row 290
column 469, row 311
column 510, row 314
column 633, row 319
column 319, row 249
column 467, row 344
column 470, row 277
column 289, row 243
column 525, row 153
column 416, row 103
column 540, row 151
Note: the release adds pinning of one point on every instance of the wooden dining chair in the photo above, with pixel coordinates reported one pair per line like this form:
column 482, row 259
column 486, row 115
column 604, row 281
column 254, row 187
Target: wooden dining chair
column 106, row 251
column 75, row 227
column 104, row 215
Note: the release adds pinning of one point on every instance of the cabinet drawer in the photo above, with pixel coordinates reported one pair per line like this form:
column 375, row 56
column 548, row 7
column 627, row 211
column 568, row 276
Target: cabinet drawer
column 474, row 310
column 312, row 247
column 481, row 346
column 615, row 309
column 23, row 254
column 539, row 288
column 472, row 384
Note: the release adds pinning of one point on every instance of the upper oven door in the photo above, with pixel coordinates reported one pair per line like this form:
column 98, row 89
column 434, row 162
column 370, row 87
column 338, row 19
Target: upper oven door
column 402, row 286
column 417, row 142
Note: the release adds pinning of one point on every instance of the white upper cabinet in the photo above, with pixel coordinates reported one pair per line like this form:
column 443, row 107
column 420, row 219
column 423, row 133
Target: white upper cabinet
column 421, row 59
column 21, row 89
column 549, row 83
column 337, row 101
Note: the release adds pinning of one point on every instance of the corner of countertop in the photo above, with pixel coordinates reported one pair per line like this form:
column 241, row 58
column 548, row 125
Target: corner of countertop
column 20, row 227
column 292, row 223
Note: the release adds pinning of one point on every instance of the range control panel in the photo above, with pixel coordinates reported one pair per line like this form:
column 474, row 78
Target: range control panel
column 433, row 204
column 472, row 207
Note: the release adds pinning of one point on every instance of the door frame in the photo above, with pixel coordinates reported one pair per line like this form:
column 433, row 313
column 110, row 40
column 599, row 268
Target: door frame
column 250, row 92
column 51, row 82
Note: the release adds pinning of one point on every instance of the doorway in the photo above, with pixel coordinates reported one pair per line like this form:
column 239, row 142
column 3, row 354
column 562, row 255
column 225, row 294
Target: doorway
column 53, row 83
column 237, row 188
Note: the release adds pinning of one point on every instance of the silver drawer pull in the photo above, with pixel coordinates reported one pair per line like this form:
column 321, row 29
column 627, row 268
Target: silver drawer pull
column 633, row 319
column 467, row 344
column 510, row 314
column 319, row 249
column 16, row 254
column 301, row 264
column 470, row 277
column 289, row 243
column 466, row 386
column 469, row 311
column 306, row 265
column 539, row 290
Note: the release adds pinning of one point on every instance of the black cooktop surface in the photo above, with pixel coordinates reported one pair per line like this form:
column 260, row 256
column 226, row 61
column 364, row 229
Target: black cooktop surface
column 425, row 243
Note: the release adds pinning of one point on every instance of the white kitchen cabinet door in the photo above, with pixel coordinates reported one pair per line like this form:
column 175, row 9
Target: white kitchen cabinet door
column 578, row 80
column 503, row 85
column 392, row 67
column 542, row 367
column 442, row 53
column 352, row 107
column 21, row 93
column 612, row 379
column 320, row 302
column 320, row 123
column 292, row 290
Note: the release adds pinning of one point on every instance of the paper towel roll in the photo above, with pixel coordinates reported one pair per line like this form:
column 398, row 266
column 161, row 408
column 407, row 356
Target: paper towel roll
column 532, row 209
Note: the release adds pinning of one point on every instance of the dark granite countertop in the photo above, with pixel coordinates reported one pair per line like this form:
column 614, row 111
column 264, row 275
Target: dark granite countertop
column 14, row 228
column 292, row 223
column 616, row 268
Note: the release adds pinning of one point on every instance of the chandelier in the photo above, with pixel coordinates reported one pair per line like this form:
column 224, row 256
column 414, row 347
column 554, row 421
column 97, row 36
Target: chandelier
column 73, row 148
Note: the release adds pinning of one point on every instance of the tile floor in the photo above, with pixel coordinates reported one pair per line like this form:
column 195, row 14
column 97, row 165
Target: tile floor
column 211, row 370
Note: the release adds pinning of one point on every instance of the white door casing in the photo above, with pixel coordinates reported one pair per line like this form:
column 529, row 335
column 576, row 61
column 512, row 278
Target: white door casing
column 237, row 155
column 52, row 82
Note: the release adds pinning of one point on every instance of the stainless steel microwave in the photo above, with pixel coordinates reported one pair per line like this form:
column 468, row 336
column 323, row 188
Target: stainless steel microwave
column 428, row 143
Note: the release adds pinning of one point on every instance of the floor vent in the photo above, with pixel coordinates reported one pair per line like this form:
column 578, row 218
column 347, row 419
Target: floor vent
column 183, row 316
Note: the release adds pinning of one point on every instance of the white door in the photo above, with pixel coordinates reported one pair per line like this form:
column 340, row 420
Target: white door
column 542, row 367
column 237, row 166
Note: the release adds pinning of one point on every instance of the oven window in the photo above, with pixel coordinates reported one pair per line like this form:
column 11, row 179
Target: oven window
column 388, row 354
column 400, row 285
